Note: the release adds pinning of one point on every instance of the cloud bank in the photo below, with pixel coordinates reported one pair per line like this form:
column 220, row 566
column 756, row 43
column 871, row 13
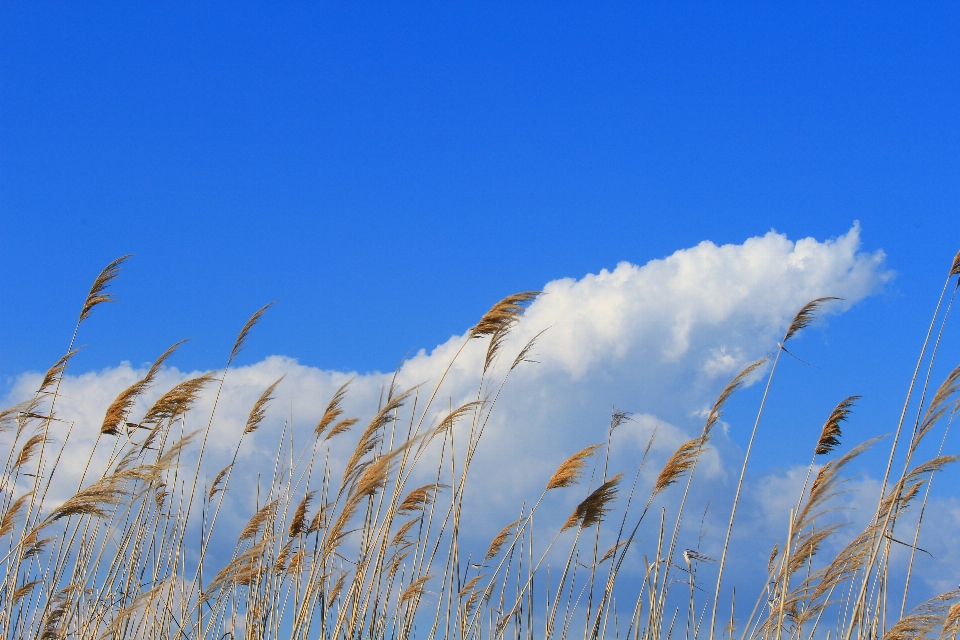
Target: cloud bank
column 659, row 340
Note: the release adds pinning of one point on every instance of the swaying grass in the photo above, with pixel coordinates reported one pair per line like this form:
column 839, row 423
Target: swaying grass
column 360, row 552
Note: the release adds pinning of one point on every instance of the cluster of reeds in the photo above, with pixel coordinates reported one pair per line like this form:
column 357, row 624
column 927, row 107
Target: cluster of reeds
column 362, row 551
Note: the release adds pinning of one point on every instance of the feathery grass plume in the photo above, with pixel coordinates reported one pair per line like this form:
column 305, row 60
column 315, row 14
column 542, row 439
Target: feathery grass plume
column 571, row 470
column 53, row 373
column 902, row 491
column 245, row 331
column 371, row 478
column 29, row 449
column 132, row 610
column 471, row 584
column 280, row 563
column 951, row 623
column 847, row 562
column 591, row 511
column 170, row 457
column 496, row 342
column 160, row 496
column 217, row 483
column 119, row 409
column 503, row 314
column 416, row 588
column 374, row 476
column 827, row 484
column 334, row 409
column 418, row 499
column 400, row 537
column 98, row 293
column 773, row 556
column 451, row 418
column 17, row 414
column 33, row 544
column 924, row 618
column 23, row 590
column 298, row 523
column 716, row 411
column 337, row 588
column 617, row 418
column 679, row 463
column 930, row 466
column 955, row 269
column 57, row 608
column 938, row 406
column 499, row 540
column 341, row 427
column 110, row 491
column 526, row 353
column 257, row 522
column 808, row 545
column 371, row 437
column 178, row 400
column 806, row 315
column 241, row 570
column 320, row 518
column 830, row 433
column 613, row 550
column 259, row 411
column 296, row 564
column 911, row 492
column 9, row 520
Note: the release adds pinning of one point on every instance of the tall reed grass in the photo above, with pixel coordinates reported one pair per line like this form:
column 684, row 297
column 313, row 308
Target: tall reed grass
column 362, row 551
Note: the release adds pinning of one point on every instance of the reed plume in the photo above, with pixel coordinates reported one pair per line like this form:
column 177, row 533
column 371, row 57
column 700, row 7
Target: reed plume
column 571, row 470
column 334, row 410
column 120, row 408
column 503, row 314
column 259, row 410
column 241, row 340
column 98, row 292
column 595, row 506
column 830, row 433
column 679, row 463
column 806, row 315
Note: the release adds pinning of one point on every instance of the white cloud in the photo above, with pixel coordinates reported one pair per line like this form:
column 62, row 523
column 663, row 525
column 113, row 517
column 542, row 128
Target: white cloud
column 659, row 339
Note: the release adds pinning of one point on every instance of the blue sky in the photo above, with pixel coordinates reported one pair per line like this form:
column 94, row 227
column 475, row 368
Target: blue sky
column 388, row 171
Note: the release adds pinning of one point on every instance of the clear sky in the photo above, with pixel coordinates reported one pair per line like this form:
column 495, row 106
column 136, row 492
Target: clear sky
column 387, row 171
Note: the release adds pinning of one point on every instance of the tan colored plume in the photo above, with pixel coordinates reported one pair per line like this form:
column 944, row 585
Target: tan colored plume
column 571, row 470
column 716, row 412
column 53, row 373
column 830, row 433
column 120, row 408
column 503, row 314
column 334, row 409
column 806, row 315
column 298, row 523
column 499, row 540
column 98, row 293
column 178, row 400
column 13, row 512
column 591, row 511
column 679, row 463
column 259, row 411
column 245, row 331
